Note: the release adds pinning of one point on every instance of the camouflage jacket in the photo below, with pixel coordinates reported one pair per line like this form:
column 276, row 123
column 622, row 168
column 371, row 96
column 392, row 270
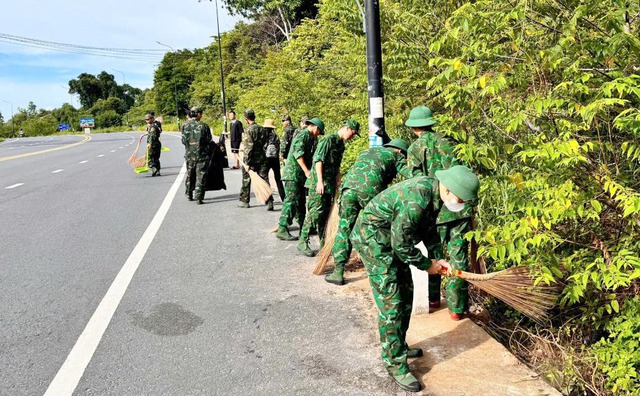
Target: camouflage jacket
column 302, row 146
column 153, row 134
column 394, row 222
column 287, row 138
column 374, row 170
column 429, row 153
column 196, row 137
column 329, row 151
column 254, row 139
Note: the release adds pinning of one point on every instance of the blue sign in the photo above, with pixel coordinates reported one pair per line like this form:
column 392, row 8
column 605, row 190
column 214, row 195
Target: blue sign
column 64, row 127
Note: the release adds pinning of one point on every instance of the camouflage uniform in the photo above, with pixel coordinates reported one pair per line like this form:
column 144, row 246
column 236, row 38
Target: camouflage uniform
column 196, row 137
column 329, row 151
column 287, row 139
column 385, row 236
column 373, row 171
column 155, row 147
column 254, row 140
column 294, row 179
column 429, row 153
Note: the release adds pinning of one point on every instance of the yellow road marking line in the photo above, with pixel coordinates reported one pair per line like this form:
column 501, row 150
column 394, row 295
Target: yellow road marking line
column 86, row 139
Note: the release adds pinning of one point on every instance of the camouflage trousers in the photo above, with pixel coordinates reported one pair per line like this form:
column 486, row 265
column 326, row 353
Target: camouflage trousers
column 392, row 287
column 245, row 191
column 153, row 161
column 294, row 204
column 197, row 170
column 318, row 206
column 456, row 289
column 351, row 203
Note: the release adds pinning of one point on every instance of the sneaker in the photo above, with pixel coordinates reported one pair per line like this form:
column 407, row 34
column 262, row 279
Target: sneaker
column 270, row 206
column 455, row 316
column 200, row 202
column 244, row 205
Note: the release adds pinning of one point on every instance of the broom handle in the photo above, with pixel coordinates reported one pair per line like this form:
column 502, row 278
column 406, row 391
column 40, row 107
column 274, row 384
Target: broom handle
column 455, row 273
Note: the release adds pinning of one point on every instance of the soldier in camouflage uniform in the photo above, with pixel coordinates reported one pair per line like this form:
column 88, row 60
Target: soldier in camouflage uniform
column 372, row 172
column 154, row 146
column 429, row 153
column 385, row 236
column 322, row 182
column 287, row 136
column 254, row 140
column 196, row 137
column 295, row 173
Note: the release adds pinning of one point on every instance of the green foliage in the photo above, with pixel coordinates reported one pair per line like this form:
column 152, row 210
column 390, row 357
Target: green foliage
column 108, row 118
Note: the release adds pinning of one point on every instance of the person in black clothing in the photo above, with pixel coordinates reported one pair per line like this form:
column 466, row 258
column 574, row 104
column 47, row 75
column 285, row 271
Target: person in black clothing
column 236, row 137
column 272, row 152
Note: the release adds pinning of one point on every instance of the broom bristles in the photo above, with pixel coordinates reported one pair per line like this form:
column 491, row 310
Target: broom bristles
column 515, row 287
column 261, row 188
column 324, row 255
column 134, row 160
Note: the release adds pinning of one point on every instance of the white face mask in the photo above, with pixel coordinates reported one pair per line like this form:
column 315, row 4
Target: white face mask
column 454, row 206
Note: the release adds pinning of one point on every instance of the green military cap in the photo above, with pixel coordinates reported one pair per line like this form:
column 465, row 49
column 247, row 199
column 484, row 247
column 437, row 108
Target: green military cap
column 399, row 144
column 304, row 119
column 195, row 109
column 148, row 116
column 420, row 116
column 353, row 124
column 250, row 114
column 317, row 122
column 286, row 118
column 461, row 181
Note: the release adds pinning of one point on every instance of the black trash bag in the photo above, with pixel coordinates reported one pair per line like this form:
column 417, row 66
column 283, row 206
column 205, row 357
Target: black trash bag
column 215, row 175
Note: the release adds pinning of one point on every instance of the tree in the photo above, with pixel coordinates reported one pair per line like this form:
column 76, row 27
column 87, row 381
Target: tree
column 87, row 87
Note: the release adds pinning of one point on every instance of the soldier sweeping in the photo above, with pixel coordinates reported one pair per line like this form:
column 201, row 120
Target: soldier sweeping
column 153, row 145
column 196, row 137
column 385, row 236
column 254, row 142
column 372, row 172
column 322, row 182
column 295, row 174
column 429, row 153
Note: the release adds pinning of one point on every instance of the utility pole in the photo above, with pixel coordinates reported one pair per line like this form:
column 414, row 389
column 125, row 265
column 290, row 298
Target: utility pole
column 12, row 120
column 124, row 95
column 175, row 84
column 374, row 71
column 224, row 103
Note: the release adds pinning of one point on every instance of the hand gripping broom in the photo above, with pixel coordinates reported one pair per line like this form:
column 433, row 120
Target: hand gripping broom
column 515, row 287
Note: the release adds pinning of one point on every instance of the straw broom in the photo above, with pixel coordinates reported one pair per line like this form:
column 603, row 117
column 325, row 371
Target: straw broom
column 134, row 160
column 261, row 188
column 330, row 231
column 515, row 287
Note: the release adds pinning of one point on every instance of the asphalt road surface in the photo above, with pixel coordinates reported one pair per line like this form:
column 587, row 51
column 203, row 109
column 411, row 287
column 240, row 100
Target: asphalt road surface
column 112, row 283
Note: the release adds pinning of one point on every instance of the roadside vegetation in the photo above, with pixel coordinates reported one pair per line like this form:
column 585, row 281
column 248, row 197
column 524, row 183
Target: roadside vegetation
column 543, row 97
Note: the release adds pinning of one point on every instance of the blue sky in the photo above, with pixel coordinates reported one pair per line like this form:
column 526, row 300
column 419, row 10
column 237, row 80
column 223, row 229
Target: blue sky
column 42, row 75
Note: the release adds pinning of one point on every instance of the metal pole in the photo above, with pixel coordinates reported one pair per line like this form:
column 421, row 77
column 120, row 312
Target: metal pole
column 13, row 131
column 175, row 84
column 224, row 102
column 374, row 71
column 124, row 95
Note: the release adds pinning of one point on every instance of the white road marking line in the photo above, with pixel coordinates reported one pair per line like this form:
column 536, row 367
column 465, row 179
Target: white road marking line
column 58, row 171
column 113, row 151
column 66, row 381
column 83, row 162
column 101, row 155
column 14, row 186
column 120, row 148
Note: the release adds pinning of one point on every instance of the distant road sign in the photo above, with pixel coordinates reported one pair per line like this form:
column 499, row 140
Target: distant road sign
column 87, row 123
column 64, row 127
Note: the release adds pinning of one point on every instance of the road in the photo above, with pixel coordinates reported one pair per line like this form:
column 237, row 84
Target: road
column 201, row 299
